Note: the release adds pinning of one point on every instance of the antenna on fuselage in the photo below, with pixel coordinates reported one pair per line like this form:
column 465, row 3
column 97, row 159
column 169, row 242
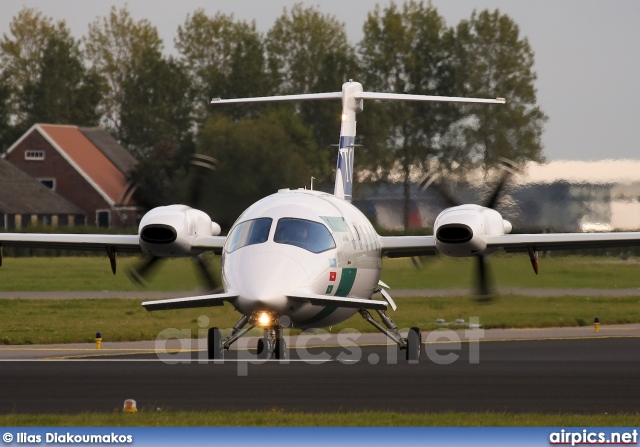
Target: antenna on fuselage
column 352, row 97
column 312, row 179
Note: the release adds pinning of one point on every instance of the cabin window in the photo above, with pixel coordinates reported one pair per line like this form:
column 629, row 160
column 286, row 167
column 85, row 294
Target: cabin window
column 249, row 232
column 34, row 155
column 306, row 234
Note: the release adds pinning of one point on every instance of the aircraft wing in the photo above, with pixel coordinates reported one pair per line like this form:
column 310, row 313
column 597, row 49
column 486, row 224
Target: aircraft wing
column 214, row 243
column 96, row 242
column 190, row 302
column 122, row 243
column 563, row 241
column 407, row 246
column 328, row 300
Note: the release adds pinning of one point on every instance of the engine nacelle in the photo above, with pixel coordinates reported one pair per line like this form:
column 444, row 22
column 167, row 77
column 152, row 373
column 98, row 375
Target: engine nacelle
column 463, row 230
column 169, row 231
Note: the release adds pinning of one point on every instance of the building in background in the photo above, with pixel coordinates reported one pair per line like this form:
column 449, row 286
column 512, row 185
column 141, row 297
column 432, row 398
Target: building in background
column 560, row 196
column 25, row 202
column 86, row 166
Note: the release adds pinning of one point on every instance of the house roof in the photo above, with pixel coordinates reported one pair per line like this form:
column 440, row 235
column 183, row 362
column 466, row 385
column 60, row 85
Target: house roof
column 110, row 147
column 95, row 157
column 22, row 194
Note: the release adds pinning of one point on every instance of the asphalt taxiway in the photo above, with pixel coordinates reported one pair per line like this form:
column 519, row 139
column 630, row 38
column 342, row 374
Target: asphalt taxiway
column 534, row 370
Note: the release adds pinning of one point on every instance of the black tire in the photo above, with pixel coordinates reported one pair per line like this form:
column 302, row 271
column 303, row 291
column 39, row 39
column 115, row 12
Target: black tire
column 214, row 344
column 280, row 351
column 263, row 349
column 414, row 345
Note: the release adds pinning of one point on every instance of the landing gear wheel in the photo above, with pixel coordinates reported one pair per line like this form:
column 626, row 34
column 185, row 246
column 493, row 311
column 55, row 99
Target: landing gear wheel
column 263, row 348
column 414, row 345
column 279, row 352
column 214, row 344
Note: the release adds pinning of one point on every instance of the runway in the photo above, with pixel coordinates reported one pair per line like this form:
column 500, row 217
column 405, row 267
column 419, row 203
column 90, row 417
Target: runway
column 594, row 373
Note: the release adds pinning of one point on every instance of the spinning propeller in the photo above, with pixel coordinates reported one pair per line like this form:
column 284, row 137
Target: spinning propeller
column 200, row 165
column 484, row 291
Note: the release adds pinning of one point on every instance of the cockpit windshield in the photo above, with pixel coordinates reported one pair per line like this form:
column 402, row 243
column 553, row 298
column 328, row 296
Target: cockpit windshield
column 249, row 232
column 311, row 236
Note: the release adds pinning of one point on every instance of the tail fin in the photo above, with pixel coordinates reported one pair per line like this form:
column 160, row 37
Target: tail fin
column 352, row 97
column 344, row 169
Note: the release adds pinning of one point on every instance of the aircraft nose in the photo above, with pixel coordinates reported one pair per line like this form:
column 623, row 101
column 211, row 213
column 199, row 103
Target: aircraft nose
column 262, row 279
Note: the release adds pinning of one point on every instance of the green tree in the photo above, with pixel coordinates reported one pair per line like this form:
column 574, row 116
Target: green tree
column 5, row 115
column 223, row 58
column 156, row 106
column 406, row 50
column 492, row 59
column 308, row 52
column 116, row 46
column 256, row 157
column 161, row 175
column 156, row 127
column 64, row 92
column 21, row 51
column 21, row 62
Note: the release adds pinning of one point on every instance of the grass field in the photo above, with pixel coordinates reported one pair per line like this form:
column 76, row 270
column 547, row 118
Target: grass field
column 65, row 321
column 92, row 273
column 277, row 418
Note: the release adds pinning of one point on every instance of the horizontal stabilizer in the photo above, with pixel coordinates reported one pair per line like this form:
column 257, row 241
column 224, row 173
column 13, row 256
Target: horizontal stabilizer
column 190, row 302
column 303, row 97
column 405, row 97
column 336, row 301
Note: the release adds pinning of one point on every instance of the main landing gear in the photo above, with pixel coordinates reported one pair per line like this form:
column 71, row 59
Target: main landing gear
column 271, row 345
column 412, row 344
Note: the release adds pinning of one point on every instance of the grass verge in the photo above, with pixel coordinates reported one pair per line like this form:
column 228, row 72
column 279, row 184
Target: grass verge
column 285, row 419
column 78, row 320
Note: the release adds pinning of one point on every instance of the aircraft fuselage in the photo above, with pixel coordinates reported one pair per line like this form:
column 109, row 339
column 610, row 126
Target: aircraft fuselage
column 301, row 241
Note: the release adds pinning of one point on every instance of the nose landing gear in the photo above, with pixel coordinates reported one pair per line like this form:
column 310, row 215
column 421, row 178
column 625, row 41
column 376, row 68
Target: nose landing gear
column 271, row 345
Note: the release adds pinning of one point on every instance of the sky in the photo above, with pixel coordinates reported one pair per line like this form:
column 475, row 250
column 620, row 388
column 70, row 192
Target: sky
column 587, row 54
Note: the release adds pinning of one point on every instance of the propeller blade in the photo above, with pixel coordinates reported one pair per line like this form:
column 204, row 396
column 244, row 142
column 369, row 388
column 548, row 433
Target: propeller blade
column 416, row 262
column 211, row 282
column 200, row 165
column 509, row 168
column 431, row 181
column 484, row 290
column 139, row 274
column 492, row 201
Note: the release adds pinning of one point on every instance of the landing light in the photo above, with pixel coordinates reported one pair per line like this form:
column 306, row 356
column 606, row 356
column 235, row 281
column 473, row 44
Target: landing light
column 344, row 117
column 264, row 319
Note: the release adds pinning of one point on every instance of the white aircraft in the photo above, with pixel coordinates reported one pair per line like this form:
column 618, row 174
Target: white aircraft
column 308, row 259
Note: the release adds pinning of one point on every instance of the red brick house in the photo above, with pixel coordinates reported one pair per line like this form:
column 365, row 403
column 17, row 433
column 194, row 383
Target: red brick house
column 84, row 165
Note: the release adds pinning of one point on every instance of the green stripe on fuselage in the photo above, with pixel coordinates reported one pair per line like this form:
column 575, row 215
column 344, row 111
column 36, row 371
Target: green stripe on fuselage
column 347, row 280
